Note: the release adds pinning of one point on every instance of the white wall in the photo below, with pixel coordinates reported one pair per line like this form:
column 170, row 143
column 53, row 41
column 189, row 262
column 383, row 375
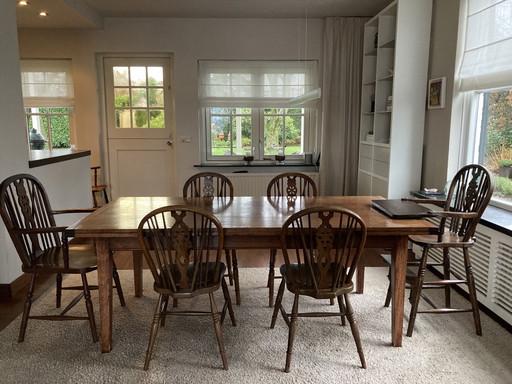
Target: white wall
column 441, row 125
column 189, row 40
column 68, row 183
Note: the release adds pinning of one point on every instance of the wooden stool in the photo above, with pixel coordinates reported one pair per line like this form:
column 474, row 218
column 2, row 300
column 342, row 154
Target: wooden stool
column 98, row 188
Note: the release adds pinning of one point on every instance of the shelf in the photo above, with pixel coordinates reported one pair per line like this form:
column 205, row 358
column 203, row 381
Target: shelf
column 371, row 53
column 389, row 44
column 386, row 78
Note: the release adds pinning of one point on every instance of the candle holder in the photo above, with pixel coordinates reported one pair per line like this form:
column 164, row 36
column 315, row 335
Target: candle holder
column 248, row 160
column 280, row 159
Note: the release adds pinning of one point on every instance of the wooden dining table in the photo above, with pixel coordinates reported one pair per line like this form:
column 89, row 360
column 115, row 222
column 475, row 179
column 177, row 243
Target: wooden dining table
column 249, row 223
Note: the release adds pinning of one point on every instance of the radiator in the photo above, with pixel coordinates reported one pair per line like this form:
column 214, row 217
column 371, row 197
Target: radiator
column 255, row 184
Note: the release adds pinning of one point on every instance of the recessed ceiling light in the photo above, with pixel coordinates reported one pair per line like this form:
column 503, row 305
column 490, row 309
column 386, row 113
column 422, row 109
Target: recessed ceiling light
column 43, row 13
column 22, row 2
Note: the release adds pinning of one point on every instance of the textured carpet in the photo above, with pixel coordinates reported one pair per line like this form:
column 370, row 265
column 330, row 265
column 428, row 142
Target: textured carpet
column 443, row 349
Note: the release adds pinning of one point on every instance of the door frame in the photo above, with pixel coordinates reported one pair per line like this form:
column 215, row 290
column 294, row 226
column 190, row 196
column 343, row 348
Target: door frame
column 104, row 154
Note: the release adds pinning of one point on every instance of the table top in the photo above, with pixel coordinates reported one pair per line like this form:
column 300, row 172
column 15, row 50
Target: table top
column 244, row 215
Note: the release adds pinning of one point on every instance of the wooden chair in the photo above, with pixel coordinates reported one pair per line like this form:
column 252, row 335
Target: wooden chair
column 470, row 192
column 183, row 246
column 290, row 184
column 212, row 184
column 43, row 246
column 98, row 188
column 321, row 248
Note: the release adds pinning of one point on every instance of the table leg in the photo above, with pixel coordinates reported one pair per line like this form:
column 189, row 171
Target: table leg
column 398, row 272
column 105, row 264
column 137, row 272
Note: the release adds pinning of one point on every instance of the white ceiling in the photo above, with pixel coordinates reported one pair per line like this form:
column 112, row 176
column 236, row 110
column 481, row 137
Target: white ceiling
column 90, row 13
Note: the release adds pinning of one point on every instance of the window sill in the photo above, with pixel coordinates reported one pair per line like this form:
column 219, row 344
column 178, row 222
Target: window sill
column 38, row 158
column 259, row 168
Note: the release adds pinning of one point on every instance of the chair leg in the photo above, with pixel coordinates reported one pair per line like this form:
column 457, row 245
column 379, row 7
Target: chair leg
column 355, row 330
column 291, row 333
column 105, row 196
column 342, row 309
column 218, row 331
column 446, row 276
column 236, row 277
column 164, row 309
column 95, row 202
column 26, row 309
column 472, row 292
column 58, row 290
column 277, row 305
column 271, row 276
column 117, row 283
column 229, row 265
column 417, row 291
column 389, row 293
column 155, row 325
column 90, row 310
column 227, row 299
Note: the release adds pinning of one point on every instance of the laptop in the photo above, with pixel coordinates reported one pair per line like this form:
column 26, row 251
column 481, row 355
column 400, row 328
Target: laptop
column 400, row 209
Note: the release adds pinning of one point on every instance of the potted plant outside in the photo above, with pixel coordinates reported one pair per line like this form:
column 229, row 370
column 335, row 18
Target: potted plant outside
column 505, row 168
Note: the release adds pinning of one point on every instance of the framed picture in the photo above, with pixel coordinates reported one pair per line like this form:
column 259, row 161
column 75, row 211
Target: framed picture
column 436, row 93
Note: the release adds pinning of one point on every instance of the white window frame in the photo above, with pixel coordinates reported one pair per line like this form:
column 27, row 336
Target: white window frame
column 257, row 97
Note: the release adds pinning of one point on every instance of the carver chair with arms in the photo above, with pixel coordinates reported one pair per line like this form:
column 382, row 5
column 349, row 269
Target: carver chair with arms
column 183, row 247
column 469, row 194
column 321, row 248
column 44, row 249
column 212, row 184
column 289, row 185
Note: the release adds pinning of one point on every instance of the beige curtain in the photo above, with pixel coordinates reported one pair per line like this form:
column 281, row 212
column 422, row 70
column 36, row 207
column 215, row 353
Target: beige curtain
column 341, row 99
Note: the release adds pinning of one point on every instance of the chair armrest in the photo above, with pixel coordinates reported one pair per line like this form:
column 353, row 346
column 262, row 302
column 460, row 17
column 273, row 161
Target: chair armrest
column 450, row 214
column 35, row 231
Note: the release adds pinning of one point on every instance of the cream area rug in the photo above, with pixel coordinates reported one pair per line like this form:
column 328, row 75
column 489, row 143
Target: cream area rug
column 443, row 349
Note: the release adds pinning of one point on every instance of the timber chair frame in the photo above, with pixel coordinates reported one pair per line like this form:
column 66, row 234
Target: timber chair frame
column 101, row 188
column 321, row 248
column 44, row 249
column 183, row 247
column 213, row 184
column 290, row 185
column 469, row 194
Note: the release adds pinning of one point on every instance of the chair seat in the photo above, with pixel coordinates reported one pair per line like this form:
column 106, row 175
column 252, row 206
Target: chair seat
column 82, row 258
column 317, row 293
column 211, row 284
column 98, row 188
column 449, row 239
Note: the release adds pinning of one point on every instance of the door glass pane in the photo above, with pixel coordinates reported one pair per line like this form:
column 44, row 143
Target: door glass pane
column 157, row 118
column 155, row 76
column 156, row 97
column 138, row 76
column 139, row 98
column 121, row 97
column 120, row 76
column 123, row 118
column 140, row 118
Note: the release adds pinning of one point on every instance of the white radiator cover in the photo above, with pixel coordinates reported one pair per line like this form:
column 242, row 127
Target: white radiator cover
column 255, row 184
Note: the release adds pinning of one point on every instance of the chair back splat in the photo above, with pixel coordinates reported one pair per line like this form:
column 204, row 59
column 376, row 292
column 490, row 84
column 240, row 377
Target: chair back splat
column 290, row 185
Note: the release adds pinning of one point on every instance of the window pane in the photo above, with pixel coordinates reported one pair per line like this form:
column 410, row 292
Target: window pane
column 219, row 135
column 157, row 119
column 273, row 131
column 495, row 149
column 123, row 118
column 139, row 97
column 155, row 76
column 120, row 76
column 138, row 76
column 293, row 140
column 60, row 131
column 156, row 97
column 140, row 118
column 121, row 97
column 230, row 131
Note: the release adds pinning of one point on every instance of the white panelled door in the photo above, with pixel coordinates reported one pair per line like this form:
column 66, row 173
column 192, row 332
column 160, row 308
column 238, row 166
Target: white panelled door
column 139, row 118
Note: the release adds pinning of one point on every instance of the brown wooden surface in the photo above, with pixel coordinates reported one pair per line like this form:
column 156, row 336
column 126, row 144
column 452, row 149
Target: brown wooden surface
column 249, row 223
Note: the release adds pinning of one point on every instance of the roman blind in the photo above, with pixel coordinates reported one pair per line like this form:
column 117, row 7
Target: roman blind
column 487, row 57
column 256, row 84
column 46, row 83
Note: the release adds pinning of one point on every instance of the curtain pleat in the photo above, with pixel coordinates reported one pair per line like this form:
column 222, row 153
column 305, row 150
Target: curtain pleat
column 341, row 92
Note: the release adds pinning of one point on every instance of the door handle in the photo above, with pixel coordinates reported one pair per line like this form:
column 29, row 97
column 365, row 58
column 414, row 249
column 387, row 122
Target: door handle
column 169, row 142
